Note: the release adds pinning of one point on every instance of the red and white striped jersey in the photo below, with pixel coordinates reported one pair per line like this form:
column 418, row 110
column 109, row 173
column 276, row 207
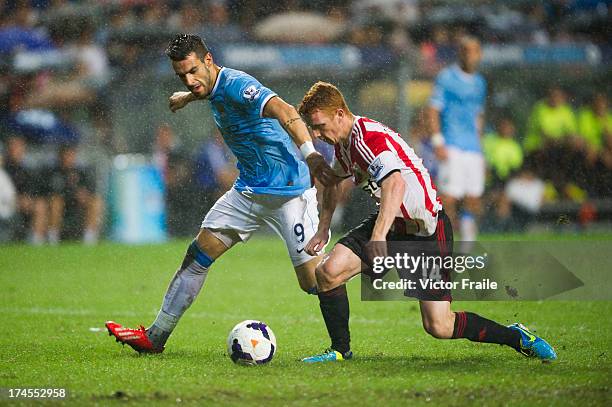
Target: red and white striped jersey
column 373, row 152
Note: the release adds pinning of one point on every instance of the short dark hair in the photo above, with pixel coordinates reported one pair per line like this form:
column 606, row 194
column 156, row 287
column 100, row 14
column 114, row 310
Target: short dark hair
column 184, row 44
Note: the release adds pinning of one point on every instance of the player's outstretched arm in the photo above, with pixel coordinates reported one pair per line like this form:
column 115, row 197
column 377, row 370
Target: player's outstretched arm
column 328, row 206
column 288, row 117
column 179, row 100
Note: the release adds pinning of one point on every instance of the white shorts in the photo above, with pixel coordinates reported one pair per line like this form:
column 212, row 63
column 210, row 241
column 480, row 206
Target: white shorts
column 462, row 174
column 235, row 216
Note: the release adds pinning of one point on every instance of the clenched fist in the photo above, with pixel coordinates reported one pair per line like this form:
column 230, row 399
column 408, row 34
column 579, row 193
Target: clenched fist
column 179, row 100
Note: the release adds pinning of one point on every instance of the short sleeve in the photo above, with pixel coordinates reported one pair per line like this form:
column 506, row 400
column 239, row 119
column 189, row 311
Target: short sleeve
column 249, row 93
column 384, row 165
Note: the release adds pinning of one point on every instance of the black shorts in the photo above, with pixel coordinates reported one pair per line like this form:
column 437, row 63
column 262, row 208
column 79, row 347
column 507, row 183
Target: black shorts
column 439, row 244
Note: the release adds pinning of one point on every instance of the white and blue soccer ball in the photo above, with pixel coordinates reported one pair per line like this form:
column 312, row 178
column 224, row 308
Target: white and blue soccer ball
column 251, row 343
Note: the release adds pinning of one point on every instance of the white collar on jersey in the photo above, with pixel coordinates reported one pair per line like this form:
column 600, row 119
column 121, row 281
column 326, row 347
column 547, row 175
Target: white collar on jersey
column 216, row 83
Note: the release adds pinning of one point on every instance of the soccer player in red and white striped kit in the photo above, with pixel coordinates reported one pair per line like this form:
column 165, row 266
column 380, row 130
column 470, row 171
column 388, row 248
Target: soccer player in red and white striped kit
column 381, row 162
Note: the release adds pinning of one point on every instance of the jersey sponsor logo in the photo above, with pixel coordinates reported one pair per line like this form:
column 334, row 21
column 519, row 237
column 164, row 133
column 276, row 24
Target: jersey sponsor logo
column 299, row 250
column 251, row 93
column 376, row 167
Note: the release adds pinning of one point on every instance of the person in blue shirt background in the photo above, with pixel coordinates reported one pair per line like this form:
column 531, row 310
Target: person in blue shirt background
column 456, row 112
column 273, row 186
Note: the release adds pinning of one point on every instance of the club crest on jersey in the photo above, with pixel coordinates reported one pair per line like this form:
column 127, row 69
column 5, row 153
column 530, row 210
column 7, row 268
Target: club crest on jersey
column 251, row 93
column 375, row 168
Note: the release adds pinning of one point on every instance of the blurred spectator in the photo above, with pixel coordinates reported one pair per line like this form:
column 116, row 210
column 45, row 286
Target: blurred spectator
column 401, row 11
column 8, row 204
column 32, row 209
column 164, row 145
column 217, row 27
column 550, row 121
column 18, row 32
column 75, row 207
column 370, row 35
column 536, row 24
column 156, row 13
column 595, row 123
column 90, row 73
column 505, row 158
column 91, row 60
column 521, row 201
column 437, row 51
column 421, row 141
column 604, row 181
column 502, row 152
column 189, row 18
column 215, row 170
column 185, row 207
column 555, row 150
column 183, row 202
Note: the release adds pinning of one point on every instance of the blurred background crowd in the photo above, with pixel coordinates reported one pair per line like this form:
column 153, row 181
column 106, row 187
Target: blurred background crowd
column 85, row 82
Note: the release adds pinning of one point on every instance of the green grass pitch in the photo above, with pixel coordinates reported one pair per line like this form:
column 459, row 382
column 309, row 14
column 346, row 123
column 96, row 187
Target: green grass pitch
column 51, row 297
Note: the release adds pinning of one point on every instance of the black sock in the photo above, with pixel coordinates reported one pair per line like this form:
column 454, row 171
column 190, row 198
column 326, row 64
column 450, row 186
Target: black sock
column 478, row 329
column 335, row 309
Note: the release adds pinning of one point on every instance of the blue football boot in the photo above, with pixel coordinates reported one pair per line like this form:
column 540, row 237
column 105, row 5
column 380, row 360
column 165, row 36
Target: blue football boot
column 329, row 355
column 532, row 345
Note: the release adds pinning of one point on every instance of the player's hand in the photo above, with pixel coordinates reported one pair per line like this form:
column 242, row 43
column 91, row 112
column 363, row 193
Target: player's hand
column 441, row 153
column 321, row 170
column 178, row 100
column 376, row 248
column 317, row 243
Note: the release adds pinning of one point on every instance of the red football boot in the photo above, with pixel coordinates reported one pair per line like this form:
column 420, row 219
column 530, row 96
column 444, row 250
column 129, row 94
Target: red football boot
column 136, row 338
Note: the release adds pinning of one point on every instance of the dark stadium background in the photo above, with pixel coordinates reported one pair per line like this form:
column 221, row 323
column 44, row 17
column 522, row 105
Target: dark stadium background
column 90, row 78
column 93, row 74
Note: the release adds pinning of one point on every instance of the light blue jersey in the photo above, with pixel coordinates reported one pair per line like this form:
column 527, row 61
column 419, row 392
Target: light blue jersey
column 267, row 158
column 460, row 99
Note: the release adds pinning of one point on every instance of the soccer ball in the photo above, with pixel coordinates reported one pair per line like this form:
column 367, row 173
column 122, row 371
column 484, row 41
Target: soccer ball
column 251, row 343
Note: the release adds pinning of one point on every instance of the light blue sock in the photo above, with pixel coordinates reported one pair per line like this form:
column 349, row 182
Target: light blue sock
column 183, row 289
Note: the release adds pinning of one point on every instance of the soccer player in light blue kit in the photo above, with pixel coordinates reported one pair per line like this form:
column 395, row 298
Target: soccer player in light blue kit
column 456, row 112
column 273, row 188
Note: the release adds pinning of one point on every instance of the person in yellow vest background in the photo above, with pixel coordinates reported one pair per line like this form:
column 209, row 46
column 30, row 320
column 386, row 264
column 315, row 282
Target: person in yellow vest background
column 504, row 157
column 595, row 127
column 551, row 121
column 503, row 153
column 553, row 145
column 595, row 124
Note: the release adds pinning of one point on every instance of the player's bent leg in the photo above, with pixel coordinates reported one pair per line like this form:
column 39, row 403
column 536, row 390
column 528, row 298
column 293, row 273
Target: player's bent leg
column 440, row 322
column 182, row 291
column 295, row 220
column 438, row 319
column 332, row 273
column 305, row 274
column 337, row 267
column 213, row 243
